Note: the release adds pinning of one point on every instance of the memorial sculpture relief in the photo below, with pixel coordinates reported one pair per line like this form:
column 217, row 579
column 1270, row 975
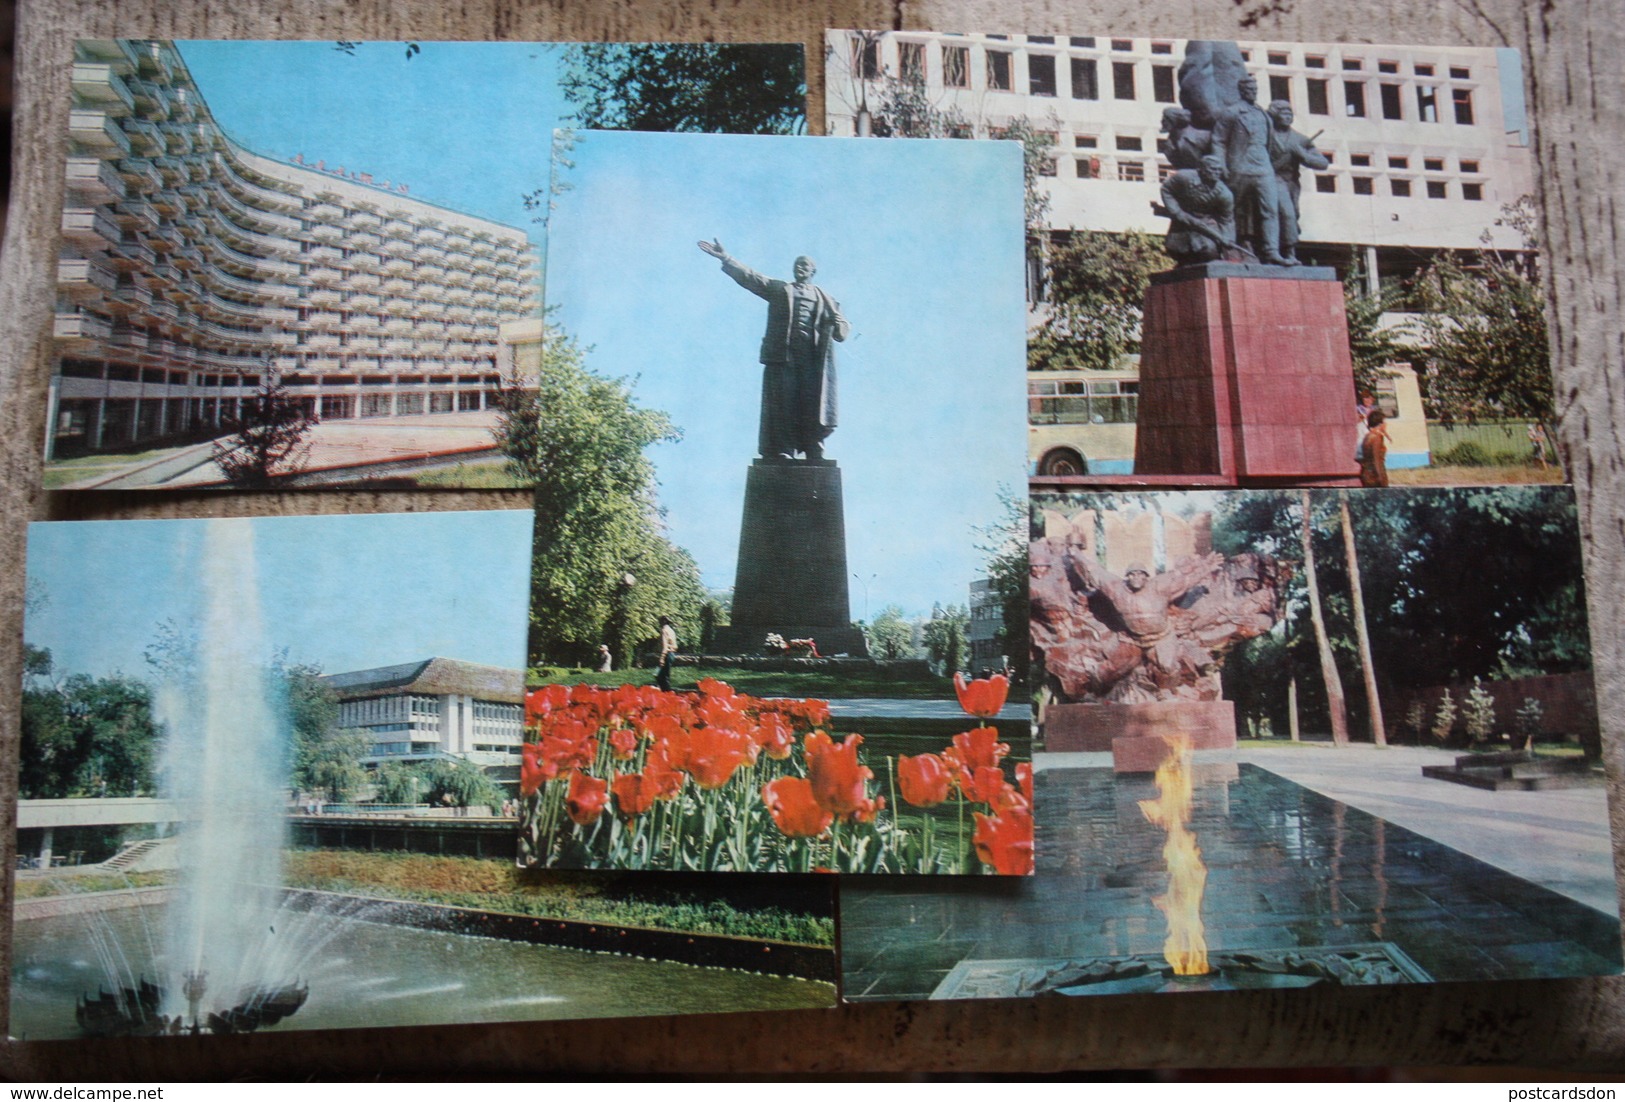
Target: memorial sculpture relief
column 1143, row 636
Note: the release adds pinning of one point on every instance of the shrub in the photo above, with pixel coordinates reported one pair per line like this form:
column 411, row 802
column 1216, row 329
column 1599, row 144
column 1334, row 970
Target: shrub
column 1479, row 710
column 1445, row 718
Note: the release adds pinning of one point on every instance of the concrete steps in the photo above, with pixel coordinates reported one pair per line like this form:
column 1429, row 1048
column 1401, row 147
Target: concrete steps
column 1517, row 770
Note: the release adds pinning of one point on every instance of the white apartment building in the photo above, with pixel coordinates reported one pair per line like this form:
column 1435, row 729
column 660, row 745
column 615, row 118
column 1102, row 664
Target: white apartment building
column 433, row 708
column 1422, row 152
column 190, row 266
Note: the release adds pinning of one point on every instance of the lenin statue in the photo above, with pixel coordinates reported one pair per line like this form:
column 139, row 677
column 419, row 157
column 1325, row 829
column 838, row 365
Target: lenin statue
column 798, row 357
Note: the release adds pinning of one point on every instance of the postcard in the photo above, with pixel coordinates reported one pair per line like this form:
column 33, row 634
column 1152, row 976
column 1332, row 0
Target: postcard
column 269, row 777
column 779, row 421
column 1366, row 246
column 336, row 285
column 1287, row 738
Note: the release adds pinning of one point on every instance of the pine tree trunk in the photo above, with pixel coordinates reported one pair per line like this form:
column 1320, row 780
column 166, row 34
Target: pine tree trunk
column 1379, row 734
column 1292, row 708
column 1328, row 665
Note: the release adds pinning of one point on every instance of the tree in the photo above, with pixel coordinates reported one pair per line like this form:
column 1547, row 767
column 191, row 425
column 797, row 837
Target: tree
column 1483, row 320
column 890, row 636
column 326, row 757
column 265, row 438
column 1097, row 287
column 395, row 782
column 579, row 439
column 1328, row 664
column 701, row 87
column 1005, row 543
column 1372, row 345
column 945, row 637
column 1379, row 734
column 465, row 784
column 88, row 736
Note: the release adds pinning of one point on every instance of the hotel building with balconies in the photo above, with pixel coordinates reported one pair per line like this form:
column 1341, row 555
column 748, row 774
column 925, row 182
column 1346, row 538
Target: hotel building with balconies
column 190, row 266
column 1423, row 153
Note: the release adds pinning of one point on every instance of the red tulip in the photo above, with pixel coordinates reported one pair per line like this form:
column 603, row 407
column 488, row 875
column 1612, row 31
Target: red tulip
column 924, row 779
column 665, row 778
column 714, row 754
column 1005, row 841
column 976, row 749
column 710, row 686
column 795, row 812
column 533, row 771
column 1024, row 777
column 775, row 736
column 635, row 793
column 544, row 701
column 586, row 798
column 984, row 696
column 839, row 783
column 987, row 786
column 623, row 743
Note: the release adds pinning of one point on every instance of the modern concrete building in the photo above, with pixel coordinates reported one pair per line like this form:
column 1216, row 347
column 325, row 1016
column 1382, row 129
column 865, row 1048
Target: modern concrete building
column 191, row 266
column 1423, row 151
column 986, row 617
column 434, row 708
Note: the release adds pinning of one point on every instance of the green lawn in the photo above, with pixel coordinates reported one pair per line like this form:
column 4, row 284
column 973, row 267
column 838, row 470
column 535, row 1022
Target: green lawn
column 1505, row 475
column 486, row 474
column 582, row 897
column 62, row 472
column 814, row 684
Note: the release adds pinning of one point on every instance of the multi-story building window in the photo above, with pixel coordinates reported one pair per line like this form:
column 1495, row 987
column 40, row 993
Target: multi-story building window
column 1085, row 79
column 1041, row 74
column 1163, row 88
column 956, row 66
column 1462, row 99
column 998, row 71
column 1123, row 80
column 1390, row 96
column 911, row 61
column 1315, row 93
column 1280, row 87
column 1354, row 99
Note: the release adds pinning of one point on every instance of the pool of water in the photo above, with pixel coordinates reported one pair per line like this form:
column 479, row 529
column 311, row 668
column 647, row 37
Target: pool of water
column 369, row 973
column 1288, row 869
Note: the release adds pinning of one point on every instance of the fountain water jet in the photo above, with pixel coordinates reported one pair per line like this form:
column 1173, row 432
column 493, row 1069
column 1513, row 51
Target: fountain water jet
column 225, row 763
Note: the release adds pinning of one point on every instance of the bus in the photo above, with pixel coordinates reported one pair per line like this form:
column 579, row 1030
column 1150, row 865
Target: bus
column 1082, row 421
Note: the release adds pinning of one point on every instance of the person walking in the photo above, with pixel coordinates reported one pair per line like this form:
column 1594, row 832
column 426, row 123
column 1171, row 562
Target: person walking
column 1374, row 451
column 668, row 648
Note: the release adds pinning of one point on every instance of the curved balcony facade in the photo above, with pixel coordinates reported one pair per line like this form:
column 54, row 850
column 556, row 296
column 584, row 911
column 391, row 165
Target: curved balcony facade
column 184, row 253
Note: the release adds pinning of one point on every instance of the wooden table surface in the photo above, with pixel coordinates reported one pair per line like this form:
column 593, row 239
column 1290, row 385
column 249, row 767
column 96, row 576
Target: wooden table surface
column 1576, row 96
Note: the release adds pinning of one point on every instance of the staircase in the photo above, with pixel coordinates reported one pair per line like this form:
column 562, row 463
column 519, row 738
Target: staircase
column 131, row 855
column 1518, row 770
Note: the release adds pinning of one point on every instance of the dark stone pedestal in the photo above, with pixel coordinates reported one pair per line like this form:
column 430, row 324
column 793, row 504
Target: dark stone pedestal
column 1245, row 373
column 1138, row 734
column 792, row 576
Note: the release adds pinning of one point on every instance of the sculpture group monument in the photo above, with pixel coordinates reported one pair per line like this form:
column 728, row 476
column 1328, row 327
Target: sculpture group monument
column 791, row 578
column 1128, row 651
column 1245, row 370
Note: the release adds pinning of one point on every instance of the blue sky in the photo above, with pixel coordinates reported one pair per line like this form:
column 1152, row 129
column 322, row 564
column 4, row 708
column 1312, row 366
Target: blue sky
column 467, row 125
column 920, row 242
column 340, row 592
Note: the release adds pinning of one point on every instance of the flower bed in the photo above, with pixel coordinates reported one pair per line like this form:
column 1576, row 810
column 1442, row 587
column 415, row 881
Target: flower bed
column 715, row 780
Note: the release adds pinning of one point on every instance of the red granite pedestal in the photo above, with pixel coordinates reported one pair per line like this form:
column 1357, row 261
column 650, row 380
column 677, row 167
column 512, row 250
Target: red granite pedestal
column 1245, row 374
column 1138, row 735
